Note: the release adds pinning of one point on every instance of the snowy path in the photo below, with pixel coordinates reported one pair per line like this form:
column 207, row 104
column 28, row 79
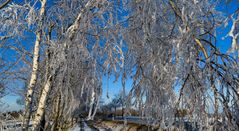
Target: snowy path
column 81, row 127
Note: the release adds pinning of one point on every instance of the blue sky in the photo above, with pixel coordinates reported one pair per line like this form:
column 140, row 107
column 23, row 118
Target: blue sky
column 115, row 87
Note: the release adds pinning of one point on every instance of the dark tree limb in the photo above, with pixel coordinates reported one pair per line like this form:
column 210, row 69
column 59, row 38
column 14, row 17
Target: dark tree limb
column 4, row 4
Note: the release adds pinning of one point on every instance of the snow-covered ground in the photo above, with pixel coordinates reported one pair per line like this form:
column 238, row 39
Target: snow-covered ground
column 84, row 127
column 12, row 125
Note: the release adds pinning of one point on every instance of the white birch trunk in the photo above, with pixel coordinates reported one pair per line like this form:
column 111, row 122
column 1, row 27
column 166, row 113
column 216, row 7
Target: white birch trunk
column 35, row 63
column 42, row 103
column 32, row 83
column 91, row 105
column 96, row 107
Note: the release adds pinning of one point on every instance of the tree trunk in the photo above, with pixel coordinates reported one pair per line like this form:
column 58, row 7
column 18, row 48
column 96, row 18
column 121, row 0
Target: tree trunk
column 28, row 106
column 91, row 105
column 96, row 107
column 56, row 108
column 33, row 80
column 42, row 103
column 42, row 123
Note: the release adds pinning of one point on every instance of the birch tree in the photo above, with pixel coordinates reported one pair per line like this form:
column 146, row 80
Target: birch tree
column 35, row 65
column 79, row 44
column 13, row 27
